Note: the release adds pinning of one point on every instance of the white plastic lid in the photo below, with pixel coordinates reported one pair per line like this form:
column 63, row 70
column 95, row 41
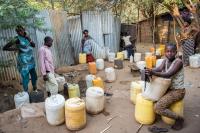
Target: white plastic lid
column 109, row 69
column 21, row 94
column 99, row 60
column 90, row 76
column 74, row 102
column 111, row 54
column 55, row 100
column 138, row 54
column 95, row 91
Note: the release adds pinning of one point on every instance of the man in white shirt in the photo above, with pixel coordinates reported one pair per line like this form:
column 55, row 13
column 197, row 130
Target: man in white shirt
column 128, row 45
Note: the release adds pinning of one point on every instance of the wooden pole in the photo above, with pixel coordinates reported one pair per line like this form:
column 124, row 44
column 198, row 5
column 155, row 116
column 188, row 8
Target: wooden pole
column 174, row 27
column 138, row 33
column 154, row 27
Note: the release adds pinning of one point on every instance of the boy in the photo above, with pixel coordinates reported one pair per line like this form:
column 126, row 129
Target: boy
column 47, row 66
column 172, row 68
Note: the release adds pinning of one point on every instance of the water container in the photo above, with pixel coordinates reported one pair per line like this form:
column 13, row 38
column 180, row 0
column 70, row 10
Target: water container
column 66, row 94
column 82, row 58
column 125, row 53
column 137, row 57
column 94, row 100
column 158, row 52
column 148, row 54
column 100, row 64
column 98, row 82
column 118, row 64
column 110, row 74
column 198, row 55
column 156, row 88
column 61, row 81
column 159, row 62
column 75, row 114
column 144, row 110
column 162, row 49
column 92, row 68
column 55, row 109
column 194, row 61
column 152, row 49
column 111, row 57
column 89, row 79
column 36, row 96
column 135, row 89
column 131, row 59
column 120, row 55
column 149, row 62
column 73, row 90
column 178, row 108
column 154, row 60
column 141, row 64
column 21, row 98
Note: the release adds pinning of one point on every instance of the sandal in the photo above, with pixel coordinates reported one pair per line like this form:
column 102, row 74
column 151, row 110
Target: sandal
column 155, row 129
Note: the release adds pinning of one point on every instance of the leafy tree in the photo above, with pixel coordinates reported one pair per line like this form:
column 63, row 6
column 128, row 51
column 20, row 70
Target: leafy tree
column 15, row 12
column 194, row 9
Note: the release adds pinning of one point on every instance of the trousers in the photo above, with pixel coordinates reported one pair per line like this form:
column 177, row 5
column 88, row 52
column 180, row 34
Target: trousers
column 172, row 96
column 25, row 79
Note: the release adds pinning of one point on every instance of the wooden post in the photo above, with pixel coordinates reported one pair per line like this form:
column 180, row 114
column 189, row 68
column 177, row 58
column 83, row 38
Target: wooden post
column 154, row 26
column 174, row 25
column 138, row 33
column 52, row 4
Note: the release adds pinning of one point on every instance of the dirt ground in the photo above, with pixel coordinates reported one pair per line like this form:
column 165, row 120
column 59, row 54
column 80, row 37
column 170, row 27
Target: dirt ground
column 119, row 106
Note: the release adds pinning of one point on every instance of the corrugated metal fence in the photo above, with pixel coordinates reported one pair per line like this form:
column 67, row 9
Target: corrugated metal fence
column 66, row 31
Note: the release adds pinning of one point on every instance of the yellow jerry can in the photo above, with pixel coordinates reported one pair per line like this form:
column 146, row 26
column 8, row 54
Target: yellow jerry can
column 75, row 113
column 144, row 110
column 178, row 108
column 120, row 55
column 98, row 82
column 135, row 89
column 82, row 58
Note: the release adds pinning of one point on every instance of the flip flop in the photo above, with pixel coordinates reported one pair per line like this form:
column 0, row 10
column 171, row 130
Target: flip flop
column 107, row 94
column 155, row 129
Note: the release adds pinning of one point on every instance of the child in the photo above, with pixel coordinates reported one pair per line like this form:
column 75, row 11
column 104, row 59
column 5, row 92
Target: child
column 172, row 68
column 47, row 66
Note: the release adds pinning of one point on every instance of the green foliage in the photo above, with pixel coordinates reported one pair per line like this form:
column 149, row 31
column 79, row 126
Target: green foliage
column 15, row 12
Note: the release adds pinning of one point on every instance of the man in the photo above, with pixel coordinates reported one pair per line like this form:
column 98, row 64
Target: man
column 86, row 46
column 25, row 60
column 128, row 45
column 172, row 68
column 47, row 66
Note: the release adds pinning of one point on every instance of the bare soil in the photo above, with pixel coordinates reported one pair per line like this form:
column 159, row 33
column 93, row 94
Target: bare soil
column 118, row 106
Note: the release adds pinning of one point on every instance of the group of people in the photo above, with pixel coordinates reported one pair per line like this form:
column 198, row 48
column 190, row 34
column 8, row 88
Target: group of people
column 171, row 67
column 23, row 44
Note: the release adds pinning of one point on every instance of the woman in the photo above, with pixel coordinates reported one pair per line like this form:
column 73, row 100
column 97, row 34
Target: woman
column 25, row 60
column 172, row 68
column 188, row 43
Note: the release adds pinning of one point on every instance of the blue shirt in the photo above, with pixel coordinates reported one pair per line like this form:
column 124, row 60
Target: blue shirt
column 25, row 59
